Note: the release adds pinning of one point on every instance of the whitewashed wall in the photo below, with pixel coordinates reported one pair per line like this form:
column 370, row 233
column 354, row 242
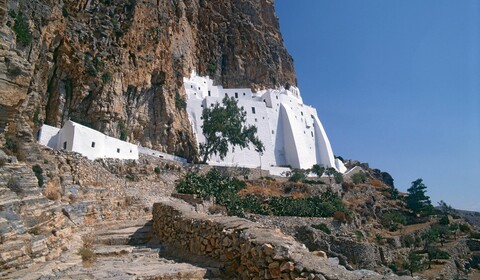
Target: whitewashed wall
column 291, row 131
column 47, row 136
column 86, row 141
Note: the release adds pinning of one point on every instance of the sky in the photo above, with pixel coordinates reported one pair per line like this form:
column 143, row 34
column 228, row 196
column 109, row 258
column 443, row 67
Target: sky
column 396, row 84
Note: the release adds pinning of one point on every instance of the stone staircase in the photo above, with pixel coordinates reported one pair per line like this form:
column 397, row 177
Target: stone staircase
column 124, row 251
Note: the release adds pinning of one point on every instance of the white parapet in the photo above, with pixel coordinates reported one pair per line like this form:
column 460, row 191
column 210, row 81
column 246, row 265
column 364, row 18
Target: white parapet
column 291, row 131
column 89, row 142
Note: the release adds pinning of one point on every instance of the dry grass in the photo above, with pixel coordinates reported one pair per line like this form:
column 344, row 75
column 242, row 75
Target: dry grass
column 52, row 190
column 376, row 183
column 86, row 252
column 262, row 188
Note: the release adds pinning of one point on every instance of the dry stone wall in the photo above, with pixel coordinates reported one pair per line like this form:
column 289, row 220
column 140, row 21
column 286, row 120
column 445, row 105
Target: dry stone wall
column 247, row 250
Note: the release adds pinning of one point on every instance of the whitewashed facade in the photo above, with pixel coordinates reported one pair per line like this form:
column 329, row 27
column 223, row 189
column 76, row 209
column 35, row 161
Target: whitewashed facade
column 290, row 130
column 86, row 141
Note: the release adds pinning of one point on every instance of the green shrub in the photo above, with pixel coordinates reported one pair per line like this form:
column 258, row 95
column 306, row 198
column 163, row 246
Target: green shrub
column 225, row 190
column 435, row 253
column 393, row 220
column 157, row 170
column 359, row 178
column 322, row 227
column 444, row 220
column 415, row 263
column 358, row 235
column 296, row 175
column 37, row 169
column 22, row 30
column 338, row 178
column 180, row 102
column 106, row 77
column 212, row 67
column 464, row 228
column 313, row 182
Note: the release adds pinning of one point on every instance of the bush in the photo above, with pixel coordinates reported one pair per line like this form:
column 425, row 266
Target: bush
column 393, row 220
column 52, row 190
column 322, row 227
column 88, row 256
column 444, row 220
column 359, row 178
column 464, row 228
column 338, row 178
column 157, row 170
column 212, row 67
column 37, row 169
column 180, row 102
column 106, row 77
column 435, row 253
column 225, row 190
column 22, row 30
column 296, row 175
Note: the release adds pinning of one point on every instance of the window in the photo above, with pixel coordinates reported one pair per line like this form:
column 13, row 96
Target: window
column 93, row 144
column 118, row 150
column 244, row 94
column 198, row 88
column 256, row 120
column 209, row 93
column 191, row 86
column 130, row 151
column 201, row 105
column 276, row 96
column 65, row 145
column 236, row 94
column 226, row 95
column 301, row 113
column 273, row 131
column 311, row 133
column 253, row 110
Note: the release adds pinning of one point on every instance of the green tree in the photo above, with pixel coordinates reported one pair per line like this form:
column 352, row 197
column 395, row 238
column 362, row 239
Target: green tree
column 224, row 125
column 317, row 170
column 417, row 201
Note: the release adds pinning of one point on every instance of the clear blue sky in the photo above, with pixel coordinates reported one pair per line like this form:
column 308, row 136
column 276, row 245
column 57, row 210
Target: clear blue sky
column 396, row 84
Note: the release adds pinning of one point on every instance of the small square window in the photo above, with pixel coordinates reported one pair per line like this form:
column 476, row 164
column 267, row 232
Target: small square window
column 65, row 145
column 244, row 94
column 236, row 94
column 273, row 131
column 93, row 144
column 253, row 110
column 256, row 120
column 118, row 150
column 209, row 93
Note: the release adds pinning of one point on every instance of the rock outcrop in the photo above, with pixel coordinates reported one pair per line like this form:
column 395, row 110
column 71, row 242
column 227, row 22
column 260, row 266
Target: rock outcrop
column 117, row 66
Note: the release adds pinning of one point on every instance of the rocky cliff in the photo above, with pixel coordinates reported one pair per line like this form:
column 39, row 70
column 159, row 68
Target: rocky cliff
column 117, row 66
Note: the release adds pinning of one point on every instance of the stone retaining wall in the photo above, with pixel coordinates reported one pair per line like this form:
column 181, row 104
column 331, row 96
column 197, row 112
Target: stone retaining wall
column 246, row 249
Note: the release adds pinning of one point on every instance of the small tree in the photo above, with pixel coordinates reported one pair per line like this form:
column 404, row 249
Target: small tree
column 224, row 125
column 317, row 170
column 417, row 201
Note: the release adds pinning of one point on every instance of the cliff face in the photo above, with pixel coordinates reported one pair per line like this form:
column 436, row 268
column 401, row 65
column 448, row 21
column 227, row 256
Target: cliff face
column 117, row 66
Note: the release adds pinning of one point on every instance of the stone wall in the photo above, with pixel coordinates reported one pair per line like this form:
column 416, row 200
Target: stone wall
column 247, row 250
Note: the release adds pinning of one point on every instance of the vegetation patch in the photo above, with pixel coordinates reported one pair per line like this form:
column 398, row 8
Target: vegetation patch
column 322, row 227
column 228, row 191
column 22, row 30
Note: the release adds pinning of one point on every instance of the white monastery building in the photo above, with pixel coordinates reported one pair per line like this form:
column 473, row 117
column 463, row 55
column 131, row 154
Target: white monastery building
column 290, row 130
column 86, row 141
